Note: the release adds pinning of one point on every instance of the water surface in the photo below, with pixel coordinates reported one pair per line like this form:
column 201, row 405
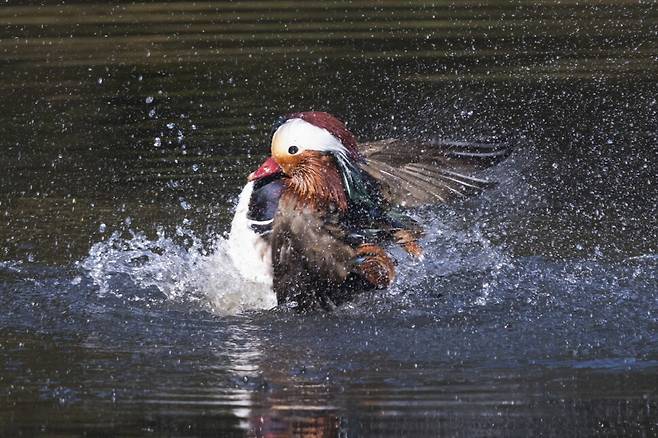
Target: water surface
column 127, row 132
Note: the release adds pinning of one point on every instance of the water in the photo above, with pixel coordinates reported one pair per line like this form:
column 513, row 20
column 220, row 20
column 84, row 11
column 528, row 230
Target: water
column 127, row 133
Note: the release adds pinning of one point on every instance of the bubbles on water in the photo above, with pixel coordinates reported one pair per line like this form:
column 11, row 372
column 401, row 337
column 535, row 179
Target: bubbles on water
column 11, row 265
column 184, row 204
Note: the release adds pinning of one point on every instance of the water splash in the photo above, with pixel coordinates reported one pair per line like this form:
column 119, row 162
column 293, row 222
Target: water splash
column 459, row 260
column 179, row 272
column 223, row 275
column 234, row 274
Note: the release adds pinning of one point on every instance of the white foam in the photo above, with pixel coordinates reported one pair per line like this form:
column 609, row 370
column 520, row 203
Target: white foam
column 233, row 275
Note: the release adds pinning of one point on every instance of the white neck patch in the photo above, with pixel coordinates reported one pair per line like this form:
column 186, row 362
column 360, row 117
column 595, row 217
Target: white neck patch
column 306, row 136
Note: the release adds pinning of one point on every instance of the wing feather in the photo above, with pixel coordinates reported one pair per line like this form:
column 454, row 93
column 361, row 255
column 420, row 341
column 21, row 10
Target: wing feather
column 417, row 173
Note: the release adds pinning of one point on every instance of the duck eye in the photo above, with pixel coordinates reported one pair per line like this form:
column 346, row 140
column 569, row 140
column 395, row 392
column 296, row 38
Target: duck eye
column 292, row 150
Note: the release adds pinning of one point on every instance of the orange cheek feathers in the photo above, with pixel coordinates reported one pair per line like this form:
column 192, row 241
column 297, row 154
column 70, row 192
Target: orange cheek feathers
column 287, row 161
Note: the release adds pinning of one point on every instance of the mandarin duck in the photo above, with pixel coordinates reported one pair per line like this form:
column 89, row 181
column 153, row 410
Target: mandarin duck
column 316, row 218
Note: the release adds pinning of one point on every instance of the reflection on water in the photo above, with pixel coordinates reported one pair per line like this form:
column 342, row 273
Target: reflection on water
column 128, row 129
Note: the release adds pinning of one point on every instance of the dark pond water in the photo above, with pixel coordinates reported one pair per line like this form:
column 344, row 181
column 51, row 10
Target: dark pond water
column 127, row 130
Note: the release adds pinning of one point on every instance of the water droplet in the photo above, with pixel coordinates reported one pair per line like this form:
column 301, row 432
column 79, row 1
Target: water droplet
column 149, row 99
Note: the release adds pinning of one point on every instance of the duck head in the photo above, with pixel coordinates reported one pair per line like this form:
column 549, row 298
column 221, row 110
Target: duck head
column 318, row 157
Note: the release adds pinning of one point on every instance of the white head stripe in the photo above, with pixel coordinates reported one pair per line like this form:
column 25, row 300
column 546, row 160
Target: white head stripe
column 304, row 135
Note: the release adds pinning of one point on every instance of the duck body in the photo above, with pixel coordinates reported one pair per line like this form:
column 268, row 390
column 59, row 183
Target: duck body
column 325, row 213
column 322, row 250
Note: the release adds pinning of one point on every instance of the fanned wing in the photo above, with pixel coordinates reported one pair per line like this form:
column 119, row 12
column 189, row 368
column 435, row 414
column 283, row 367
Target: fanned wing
column 417, row 173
